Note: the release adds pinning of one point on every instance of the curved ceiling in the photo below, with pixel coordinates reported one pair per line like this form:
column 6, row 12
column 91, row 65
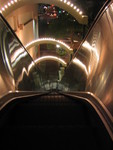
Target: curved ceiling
column 49, row 41
column 12, row 5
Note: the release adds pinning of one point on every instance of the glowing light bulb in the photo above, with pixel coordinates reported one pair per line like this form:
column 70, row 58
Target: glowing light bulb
column 75, row 7
column 78, row 10
column 12, row 2
column 3, row 8
column 71, row 5
column 9, row 4
column 68, row 3
column 6, row 6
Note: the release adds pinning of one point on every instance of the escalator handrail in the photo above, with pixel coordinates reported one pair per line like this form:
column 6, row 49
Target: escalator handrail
column 100, row 110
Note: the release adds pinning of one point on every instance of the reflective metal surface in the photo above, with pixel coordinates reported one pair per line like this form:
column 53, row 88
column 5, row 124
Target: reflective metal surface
column 95, row 60
column 17, row 69
column 100, row 68
column 90, row 70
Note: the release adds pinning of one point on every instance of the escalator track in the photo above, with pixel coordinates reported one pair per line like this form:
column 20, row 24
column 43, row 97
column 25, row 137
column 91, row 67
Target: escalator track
column 52, row 121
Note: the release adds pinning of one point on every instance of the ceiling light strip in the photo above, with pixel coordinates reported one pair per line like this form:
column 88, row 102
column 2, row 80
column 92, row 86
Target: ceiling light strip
column 12, row 2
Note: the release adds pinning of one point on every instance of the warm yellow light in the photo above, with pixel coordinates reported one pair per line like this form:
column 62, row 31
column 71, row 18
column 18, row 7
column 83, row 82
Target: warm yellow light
column 51, row 58
column 65, row 2
column 71, row 5
column 78, row 10
column 91, row 49
column 6, row 6
column 48, row 40
column 68, row 3
column 75, row 7
column 80, row 64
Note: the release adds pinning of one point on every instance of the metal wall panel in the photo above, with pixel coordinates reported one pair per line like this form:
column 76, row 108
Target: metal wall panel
column 96, row 58
column 17, row 69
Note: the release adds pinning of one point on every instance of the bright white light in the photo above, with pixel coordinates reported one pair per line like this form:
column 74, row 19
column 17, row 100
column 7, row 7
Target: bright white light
column 89, row 69
column 18, row 58
column 68, row 3
column 6, row 6
column 51, row 58
column 0, row 11
column 15, row 1
column 12, row 2
column 65, row 1
column 58, row 46
column 87, row 46
column 9, row 4
column 16, row 54
column 78, row 10
column 75, row 7
column 91, row 49
column 3, row 8
column 80, row 64
column 30, row 67
column 72, row 5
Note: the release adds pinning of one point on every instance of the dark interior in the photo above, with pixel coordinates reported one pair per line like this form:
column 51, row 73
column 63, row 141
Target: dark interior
column 52, row 121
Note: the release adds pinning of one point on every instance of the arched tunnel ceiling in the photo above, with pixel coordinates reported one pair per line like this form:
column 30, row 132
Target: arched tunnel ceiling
column 10, row 6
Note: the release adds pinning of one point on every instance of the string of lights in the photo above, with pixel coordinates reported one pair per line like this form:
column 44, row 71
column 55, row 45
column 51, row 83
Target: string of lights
column 68, row 3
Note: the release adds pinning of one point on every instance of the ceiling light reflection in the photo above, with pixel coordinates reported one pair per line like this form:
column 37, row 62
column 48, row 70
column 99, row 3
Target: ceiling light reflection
column 91, row 49
column 80, row 64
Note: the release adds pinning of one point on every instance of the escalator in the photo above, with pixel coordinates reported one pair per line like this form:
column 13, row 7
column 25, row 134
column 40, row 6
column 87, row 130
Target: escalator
column 56, row 120
column 52, row 121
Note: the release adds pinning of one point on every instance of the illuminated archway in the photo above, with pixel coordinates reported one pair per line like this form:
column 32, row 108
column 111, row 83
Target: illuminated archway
column 64, row 4
column 43, row 58
column 49, row 41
